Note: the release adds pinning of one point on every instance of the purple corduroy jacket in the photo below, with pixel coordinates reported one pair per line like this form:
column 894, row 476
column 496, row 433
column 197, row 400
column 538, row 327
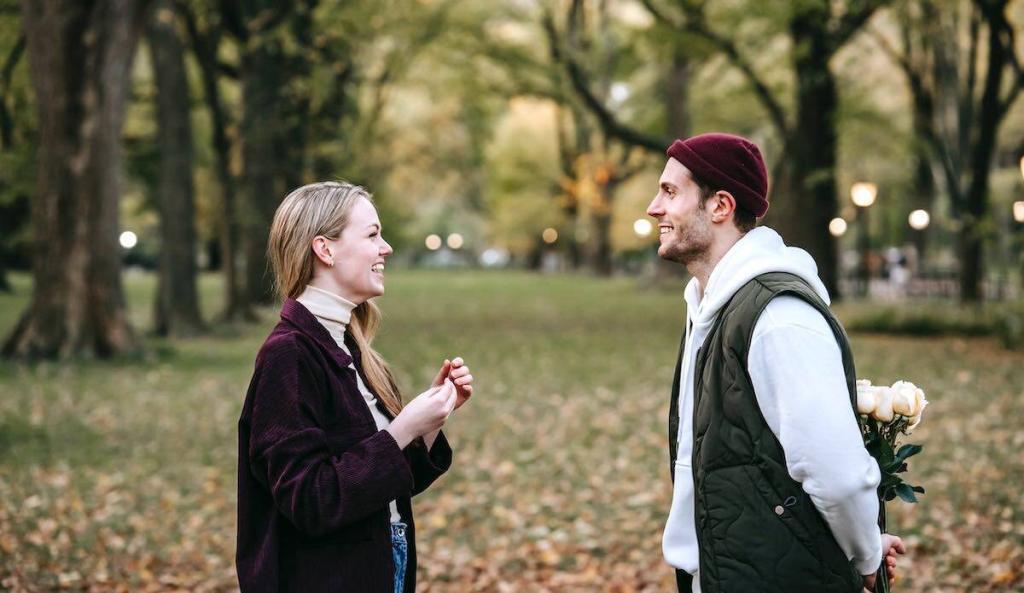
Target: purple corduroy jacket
column 315, row 476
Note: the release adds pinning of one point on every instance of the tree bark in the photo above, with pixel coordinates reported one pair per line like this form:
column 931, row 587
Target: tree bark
column 205, row 44
column 262, row 78
column 989, row 117
column 177, row 300
column 677, row 95
column 6, row 71
column 7, row 124
column 601, row 226
column 808, row 200
column 80, row 55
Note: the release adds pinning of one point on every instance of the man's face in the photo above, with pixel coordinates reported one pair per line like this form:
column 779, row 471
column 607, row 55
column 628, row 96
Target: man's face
column 684, row 226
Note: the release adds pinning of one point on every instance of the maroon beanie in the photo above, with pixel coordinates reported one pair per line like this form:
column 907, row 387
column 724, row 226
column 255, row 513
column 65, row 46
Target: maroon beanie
column 726, row 162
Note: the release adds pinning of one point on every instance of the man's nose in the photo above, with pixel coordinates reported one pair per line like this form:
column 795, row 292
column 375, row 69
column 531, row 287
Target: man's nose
column 654, row 209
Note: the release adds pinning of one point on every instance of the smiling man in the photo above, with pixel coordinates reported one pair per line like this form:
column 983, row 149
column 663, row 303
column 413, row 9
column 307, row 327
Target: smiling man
column 773, row 490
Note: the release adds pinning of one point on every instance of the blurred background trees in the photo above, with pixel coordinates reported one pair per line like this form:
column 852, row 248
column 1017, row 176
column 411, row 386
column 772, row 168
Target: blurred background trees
column 162, row 135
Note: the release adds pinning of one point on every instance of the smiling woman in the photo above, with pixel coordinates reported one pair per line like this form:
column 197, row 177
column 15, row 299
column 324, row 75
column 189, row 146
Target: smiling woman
column 328, row 457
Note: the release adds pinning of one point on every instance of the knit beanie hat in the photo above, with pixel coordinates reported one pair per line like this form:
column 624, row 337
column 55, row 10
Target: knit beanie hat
column 726, row 162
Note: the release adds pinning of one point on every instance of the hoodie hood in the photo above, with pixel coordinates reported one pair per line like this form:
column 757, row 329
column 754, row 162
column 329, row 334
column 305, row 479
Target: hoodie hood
column 758, row 252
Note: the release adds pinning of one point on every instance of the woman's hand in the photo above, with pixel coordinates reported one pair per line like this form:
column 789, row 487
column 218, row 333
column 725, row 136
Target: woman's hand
column 426, row 413
column 458, row 373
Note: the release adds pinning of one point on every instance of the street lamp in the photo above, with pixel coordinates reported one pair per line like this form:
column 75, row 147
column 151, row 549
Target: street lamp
column 455, row 241
column 128, row 239
column 837, row 227
column 919, row 220
column 549, row 235
column 863, row 195
column 642, row 227
column 1018, row 211
column 433, row 242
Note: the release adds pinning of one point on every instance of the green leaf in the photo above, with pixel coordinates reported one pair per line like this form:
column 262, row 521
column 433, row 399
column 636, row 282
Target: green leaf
column 905, row 492
column 908, row 450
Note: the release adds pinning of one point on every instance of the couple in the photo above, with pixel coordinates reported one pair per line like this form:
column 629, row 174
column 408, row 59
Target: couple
column 773, row 489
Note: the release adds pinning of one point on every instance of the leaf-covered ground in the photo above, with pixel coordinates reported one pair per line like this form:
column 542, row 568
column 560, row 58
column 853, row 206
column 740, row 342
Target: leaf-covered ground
column 121, row 476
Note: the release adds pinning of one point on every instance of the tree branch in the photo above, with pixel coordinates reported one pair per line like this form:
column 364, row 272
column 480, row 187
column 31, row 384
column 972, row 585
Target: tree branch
column 607, row 120
column 13, row 57
column 1018, row 81
column 860, row 12
column 696, row 23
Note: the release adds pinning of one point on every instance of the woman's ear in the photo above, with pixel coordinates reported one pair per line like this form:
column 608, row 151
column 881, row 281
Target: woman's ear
column 322, row 250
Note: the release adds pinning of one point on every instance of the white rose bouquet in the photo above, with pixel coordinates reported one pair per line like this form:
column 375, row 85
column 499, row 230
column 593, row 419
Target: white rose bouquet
column 885, row 413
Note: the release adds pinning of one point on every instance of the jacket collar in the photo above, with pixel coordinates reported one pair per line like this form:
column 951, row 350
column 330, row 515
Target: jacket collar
column 299, row 317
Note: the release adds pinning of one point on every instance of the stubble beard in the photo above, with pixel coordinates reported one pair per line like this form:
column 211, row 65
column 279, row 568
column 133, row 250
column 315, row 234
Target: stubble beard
column 693, row 242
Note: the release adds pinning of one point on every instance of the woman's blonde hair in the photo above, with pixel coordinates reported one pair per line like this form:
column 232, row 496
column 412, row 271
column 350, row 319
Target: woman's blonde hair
column 322, row 209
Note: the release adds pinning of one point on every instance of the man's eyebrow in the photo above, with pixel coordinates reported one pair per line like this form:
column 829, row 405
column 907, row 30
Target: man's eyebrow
column 667, row 185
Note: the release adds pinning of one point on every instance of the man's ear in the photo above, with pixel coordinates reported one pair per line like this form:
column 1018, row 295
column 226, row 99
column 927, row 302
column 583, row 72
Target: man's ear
column 722, row 206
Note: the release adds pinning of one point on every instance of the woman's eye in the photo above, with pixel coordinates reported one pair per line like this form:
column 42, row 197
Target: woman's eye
column 373, row 234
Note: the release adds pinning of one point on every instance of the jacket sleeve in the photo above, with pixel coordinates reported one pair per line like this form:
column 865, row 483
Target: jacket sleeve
column 796, row 369
column 318, row 492
column 428, row 466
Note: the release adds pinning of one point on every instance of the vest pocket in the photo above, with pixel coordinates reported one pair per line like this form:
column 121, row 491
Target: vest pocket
column 746, row 544
column 787, row 509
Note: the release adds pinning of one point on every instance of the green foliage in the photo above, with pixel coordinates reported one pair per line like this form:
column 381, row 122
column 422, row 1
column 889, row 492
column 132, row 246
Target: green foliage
column 523, row 185
column 880, row 441
column 919, row 319
column 1002, row 320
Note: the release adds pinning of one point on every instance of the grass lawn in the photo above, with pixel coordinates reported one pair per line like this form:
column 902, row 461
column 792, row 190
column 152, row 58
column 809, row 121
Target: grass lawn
column 120, row 476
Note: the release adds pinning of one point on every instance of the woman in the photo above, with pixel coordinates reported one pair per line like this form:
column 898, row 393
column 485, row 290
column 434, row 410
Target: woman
column 328, row 457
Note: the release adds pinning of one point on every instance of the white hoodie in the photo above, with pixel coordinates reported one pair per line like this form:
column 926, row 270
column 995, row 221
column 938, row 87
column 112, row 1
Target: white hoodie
column 797, row 373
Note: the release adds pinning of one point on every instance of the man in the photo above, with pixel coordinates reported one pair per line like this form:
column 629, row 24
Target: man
column 773, row 490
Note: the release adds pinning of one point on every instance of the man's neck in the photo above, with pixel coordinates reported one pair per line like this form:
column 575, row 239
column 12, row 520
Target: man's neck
column 702, row 268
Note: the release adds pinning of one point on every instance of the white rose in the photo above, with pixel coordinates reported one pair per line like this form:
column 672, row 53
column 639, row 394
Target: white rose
column 883, row 408
column 917, row 402
column 866, row 398
column 907, row 399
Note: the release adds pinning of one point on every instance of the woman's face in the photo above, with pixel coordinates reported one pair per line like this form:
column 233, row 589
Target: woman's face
column 359, row 255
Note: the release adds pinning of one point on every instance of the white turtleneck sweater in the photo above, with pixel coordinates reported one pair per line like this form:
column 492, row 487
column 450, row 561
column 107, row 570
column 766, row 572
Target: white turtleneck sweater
column 334, row 313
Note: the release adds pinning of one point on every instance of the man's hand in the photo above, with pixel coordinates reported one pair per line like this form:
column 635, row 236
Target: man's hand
column 891, row 545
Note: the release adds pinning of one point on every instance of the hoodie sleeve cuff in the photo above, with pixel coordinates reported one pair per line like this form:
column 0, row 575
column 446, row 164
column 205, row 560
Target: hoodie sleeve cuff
column 873, row 562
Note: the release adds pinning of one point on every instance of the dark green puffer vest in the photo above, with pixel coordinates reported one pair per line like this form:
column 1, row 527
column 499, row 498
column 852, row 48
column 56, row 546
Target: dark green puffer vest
column 757, row 530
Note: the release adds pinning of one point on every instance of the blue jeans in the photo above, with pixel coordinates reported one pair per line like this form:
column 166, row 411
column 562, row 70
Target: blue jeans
column 400, row 552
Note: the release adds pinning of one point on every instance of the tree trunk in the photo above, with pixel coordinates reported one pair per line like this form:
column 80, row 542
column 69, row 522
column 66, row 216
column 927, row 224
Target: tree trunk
column 990, row 115
column 205, row 45
column 808, row 200
column 601, row 228
column 919, row 34
column 677, row 94
column 11, row 220
column 80, row 57
column 177, row 300
column 262, row 145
